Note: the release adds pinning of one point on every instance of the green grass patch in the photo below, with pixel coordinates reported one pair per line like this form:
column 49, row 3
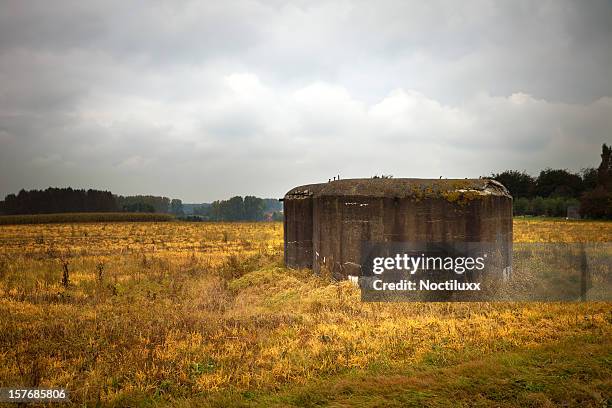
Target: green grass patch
column 575, row 372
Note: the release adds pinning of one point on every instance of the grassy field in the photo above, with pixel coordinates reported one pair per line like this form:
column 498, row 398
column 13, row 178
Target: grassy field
column 204, row 314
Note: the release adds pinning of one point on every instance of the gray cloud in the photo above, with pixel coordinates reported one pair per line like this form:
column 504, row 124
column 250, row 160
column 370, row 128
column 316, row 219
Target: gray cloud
column 203, row 100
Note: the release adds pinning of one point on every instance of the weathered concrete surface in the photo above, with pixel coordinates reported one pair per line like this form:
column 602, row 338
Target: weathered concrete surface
column 341, row 215
column 298, row 224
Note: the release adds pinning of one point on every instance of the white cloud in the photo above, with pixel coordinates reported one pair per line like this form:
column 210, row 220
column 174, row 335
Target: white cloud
column 201, row 101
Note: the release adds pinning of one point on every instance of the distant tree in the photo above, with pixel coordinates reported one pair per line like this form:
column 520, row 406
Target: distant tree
column 555, row 206
column 159, row 204
column 253, row 208
column 272, row 204
column 176, row 206
column 203, row 210
column 233, row 209
column 551, row 206
column 538, row 206
column 558, row 183
column 519, row 183
column 10, row 204
column 597, row 203
column 214, row 212
column 59, row 200
column 590, row 178
column 520, row 206
column 604, row 171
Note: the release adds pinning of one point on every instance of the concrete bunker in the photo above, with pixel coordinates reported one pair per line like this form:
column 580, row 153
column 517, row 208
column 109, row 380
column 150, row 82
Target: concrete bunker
column 325, row 224
column 298, row 225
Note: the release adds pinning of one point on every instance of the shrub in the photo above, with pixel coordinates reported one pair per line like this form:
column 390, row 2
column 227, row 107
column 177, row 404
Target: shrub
column 538, row 206
column 520, row 206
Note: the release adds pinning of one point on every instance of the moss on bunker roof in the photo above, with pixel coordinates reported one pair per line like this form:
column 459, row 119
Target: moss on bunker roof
column 305, row 190
column 402, row 188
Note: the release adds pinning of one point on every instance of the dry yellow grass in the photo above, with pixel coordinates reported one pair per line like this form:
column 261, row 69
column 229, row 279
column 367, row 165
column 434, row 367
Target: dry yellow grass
column 537, row 230
column 193, row 314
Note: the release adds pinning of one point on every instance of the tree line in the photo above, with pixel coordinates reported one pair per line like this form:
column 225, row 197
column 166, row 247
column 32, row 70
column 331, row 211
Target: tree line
column 58, row 200
column 249, row 208
column 150, row 204
column 68, row 200
column 554, row 190
column 550, row 193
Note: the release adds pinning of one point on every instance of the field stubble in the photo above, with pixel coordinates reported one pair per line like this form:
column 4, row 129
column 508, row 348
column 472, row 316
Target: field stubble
column 203, row 314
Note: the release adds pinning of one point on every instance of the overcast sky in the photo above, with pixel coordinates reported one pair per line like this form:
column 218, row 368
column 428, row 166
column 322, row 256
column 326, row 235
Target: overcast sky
column 205, row 100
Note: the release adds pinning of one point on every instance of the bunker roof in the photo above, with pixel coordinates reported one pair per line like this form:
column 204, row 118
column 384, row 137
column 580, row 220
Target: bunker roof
column 402, row 188
column 305, row 190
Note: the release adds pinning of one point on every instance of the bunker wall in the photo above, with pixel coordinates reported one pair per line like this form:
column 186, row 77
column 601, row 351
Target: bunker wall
column 342, row 224
column 298, row 226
